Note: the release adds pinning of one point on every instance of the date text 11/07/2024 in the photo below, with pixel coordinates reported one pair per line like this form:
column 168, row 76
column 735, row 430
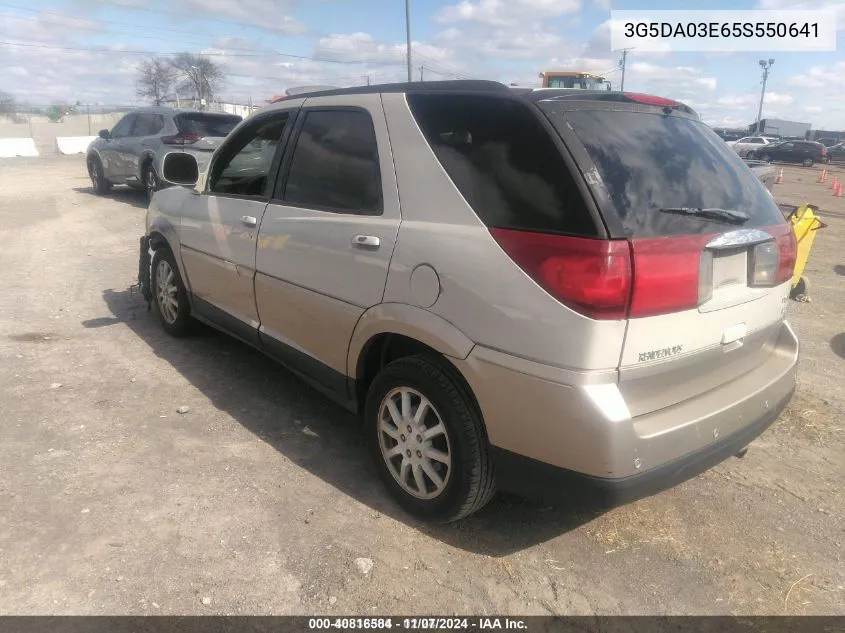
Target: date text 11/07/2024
column 418, row 624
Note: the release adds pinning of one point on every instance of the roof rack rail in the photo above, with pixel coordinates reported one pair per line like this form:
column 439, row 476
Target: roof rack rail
column 458, row 85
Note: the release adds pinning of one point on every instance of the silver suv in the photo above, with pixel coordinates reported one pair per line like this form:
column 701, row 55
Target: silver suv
column 546, row 292
column 132, row 152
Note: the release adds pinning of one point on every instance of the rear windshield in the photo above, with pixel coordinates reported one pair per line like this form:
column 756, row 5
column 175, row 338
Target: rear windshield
column 652, row 161
column 204, row 124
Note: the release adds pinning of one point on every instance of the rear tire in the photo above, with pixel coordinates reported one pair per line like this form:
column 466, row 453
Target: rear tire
column 436, row 463
column 751, row 155
column 151, row 182
column 98, row 177
column 807, row 162
column 766, row 158
column 169, row 294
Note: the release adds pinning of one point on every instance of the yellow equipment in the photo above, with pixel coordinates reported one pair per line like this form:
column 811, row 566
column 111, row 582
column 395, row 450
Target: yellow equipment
column 805, row 223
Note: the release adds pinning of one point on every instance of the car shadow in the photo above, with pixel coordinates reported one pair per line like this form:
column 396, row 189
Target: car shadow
column 286, row 413
column 837, row 344
column 839, row 269
column 127, row 195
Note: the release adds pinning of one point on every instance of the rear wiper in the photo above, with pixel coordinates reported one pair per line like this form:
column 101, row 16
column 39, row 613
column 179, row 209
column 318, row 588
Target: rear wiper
column 725, row 215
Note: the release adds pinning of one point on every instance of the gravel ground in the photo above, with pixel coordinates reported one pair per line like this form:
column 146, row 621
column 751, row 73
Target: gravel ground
column 260, row 498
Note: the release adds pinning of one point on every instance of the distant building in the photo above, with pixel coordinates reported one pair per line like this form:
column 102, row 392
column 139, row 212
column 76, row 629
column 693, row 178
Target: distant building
column 781, row 128
column 830, row 137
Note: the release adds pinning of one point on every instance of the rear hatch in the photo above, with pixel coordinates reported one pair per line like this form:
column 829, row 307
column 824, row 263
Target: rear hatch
column 710, row 251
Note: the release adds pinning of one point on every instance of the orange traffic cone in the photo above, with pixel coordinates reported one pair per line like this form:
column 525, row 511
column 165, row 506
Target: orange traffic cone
column 834, row 183
column 823, row 175
column 838, row 193
column 779, row 180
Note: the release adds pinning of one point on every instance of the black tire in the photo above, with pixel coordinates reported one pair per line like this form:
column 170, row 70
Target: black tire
column 182, row 324
column 808, row 162
column 151, row 181
column 766, row 158
column 751, row 155
column 801, row 289
column 470, row 483
column 99, row 181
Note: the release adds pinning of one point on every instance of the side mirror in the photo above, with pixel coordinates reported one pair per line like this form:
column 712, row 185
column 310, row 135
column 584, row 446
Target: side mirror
column 181, row 169
column 104, row 134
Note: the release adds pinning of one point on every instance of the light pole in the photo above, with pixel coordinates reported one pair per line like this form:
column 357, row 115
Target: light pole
column 408, row 36
column 766, row 66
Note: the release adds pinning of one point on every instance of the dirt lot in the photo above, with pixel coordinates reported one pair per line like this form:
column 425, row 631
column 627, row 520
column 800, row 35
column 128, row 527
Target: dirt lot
column 260, row 498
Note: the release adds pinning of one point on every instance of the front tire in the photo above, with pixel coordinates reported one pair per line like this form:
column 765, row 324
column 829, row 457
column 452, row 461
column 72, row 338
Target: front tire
column 807, row 162
column 169, row 294
column 427, row 439
column 751, row 155
column 98, row 176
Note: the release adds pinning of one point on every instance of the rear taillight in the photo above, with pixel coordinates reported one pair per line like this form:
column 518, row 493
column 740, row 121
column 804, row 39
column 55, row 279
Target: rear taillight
column 670, row 274
column 593, row 277
column 180, row 139
column 787, row 251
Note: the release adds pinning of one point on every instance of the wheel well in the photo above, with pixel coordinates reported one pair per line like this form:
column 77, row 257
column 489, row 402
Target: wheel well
column 157, row 240
column 387, row 347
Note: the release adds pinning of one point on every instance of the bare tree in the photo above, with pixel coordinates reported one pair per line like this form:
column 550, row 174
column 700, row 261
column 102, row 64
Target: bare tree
column 199, row 74
column 155, row 78
column 7, row 104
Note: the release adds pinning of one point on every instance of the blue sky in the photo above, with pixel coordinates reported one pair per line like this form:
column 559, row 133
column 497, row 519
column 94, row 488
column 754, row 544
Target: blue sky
column 88, row 50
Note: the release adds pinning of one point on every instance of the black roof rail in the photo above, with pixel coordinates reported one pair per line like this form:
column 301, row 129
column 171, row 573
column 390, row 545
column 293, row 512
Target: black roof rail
column 462, row 85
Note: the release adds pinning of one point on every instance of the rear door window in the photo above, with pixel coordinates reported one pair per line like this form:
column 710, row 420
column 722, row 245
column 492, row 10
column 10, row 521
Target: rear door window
column 504, row 162
column 148, row 124
column 650, row 163
column 207, row 124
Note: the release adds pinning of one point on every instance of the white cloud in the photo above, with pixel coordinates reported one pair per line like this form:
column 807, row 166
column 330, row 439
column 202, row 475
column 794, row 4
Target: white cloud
column 506, row 12
column 807, row 5
column 270, row 15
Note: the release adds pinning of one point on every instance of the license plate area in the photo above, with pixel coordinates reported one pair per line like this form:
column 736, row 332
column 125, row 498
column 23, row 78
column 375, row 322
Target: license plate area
column 725, row 273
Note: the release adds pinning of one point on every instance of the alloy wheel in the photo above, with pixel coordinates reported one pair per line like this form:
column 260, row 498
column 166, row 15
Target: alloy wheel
column 414, row 443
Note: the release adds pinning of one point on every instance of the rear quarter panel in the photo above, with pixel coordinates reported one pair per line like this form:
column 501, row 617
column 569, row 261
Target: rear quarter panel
column 480, row 290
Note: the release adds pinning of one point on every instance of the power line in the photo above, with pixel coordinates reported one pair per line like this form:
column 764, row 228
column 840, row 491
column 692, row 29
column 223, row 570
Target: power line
column 221, row 54
column 431, row 62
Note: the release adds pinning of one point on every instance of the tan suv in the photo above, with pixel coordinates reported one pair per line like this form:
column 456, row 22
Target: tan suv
column 546, row 292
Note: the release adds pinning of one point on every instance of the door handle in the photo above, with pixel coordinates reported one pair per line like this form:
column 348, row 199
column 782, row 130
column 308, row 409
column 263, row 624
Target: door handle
column 366, row 241
column 249, row 220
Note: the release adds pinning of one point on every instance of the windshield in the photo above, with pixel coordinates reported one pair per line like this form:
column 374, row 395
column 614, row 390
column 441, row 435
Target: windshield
column 207, row 124
column 651, row 161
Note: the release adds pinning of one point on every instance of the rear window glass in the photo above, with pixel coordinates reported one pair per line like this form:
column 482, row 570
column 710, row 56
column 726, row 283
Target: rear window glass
column 649, row 162
column 207, row 124
column 503, row 161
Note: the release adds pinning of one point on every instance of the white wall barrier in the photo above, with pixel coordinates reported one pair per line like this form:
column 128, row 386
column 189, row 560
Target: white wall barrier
column 73, row 144
column 10, row 147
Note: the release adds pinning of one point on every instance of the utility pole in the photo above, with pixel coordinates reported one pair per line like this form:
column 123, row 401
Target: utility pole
column 766, row 66
column 408, row 36
column 422, row 68
column 368, row 79
column 622, row 64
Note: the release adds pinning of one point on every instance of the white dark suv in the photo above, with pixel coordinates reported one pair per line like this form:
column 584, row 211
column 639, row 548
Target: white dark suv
column 546, row 292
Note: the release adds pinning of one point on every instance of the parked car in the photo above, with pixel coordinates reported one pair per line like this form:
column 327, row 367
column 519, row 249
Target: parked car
column 131, row 153
column 836, row 152
column 750, row 146
column 514, row 288
column 805, row 152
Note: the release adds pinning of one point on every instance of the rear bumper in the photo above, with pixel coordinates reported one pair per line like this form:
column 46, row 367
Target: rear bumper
column 555, row 432
column 538, row 480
